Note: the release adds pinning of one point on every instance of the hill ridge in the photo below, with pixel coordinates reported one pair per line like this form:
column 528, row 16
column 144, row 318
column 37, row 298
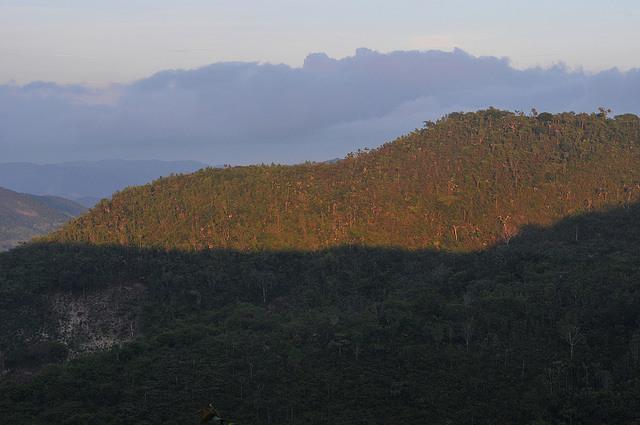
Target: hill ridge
column 467, row 181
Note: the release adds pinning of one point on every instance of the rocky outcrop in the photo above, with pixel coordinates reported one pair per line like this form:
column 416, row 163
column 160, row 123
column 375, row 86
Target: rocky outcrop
column 98, row 320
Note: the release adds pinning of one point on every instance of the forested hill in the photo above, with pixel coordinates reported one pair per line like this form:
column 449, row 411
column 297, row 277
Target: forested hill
column 465, row 182
column 24, row 216
column 101, row 324
column 544, row 330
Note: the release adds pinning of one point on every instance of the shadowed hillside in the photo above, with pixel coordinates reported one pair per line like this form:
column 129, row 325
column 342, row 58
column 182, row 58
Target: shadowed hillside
column 24, row 216
column 466, row 182
column 542, row 330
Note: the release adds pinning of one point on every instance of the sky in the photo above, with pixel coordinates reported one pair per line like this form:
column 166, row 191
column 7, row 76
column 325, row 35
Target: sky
column 97, row 42
column 286, row 81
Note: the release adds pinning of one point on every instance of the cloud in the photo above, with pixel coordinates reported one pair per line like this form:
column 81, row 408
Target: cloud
column 241, row 112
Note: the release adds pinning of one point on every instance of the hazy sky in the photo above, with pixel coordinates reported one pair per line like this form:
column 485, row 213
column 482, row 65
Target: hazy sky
column 245, row 89
column 100, row 41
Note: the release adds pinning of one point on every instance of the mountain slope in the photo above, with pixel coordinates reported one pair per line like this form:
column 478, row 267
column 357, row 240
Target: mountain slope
column 465, row 182
column 482, row 270
column 543, row 330
column 87, row 182
column 24, row 216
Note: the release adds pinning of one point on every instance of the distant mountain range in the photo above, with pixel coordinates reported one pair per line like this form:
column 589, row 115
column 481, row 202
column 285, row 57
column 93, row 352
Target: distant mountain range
column 24, row 216
column 86, row 182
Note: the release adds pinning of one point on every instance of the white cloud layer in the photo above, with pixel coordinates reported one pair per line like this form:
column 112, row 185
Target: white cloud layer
column 251, row 112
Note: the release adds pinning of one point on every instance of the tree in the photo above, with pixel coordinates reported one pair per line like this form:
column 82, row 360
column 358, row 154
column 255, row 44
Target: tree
column 571, row 334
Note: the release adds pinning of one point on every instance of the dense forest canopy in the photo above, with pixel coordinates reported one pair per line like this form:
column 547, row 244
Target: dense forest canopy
column 544, row 330
column 466, row 182
column 482, row 270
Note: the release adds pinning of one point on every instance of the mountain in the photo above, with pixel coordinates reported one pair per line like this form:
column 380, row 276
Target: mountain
column 24, row 216
column 466, row 182
column 87, row 182
column 482, row 270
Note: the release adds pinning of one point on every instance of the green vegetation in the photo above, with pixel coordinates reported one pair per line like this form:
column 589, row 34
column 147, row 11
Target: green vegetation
column 464, row 183
column 24, row 216
column 321, row 293
column 545, row 329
